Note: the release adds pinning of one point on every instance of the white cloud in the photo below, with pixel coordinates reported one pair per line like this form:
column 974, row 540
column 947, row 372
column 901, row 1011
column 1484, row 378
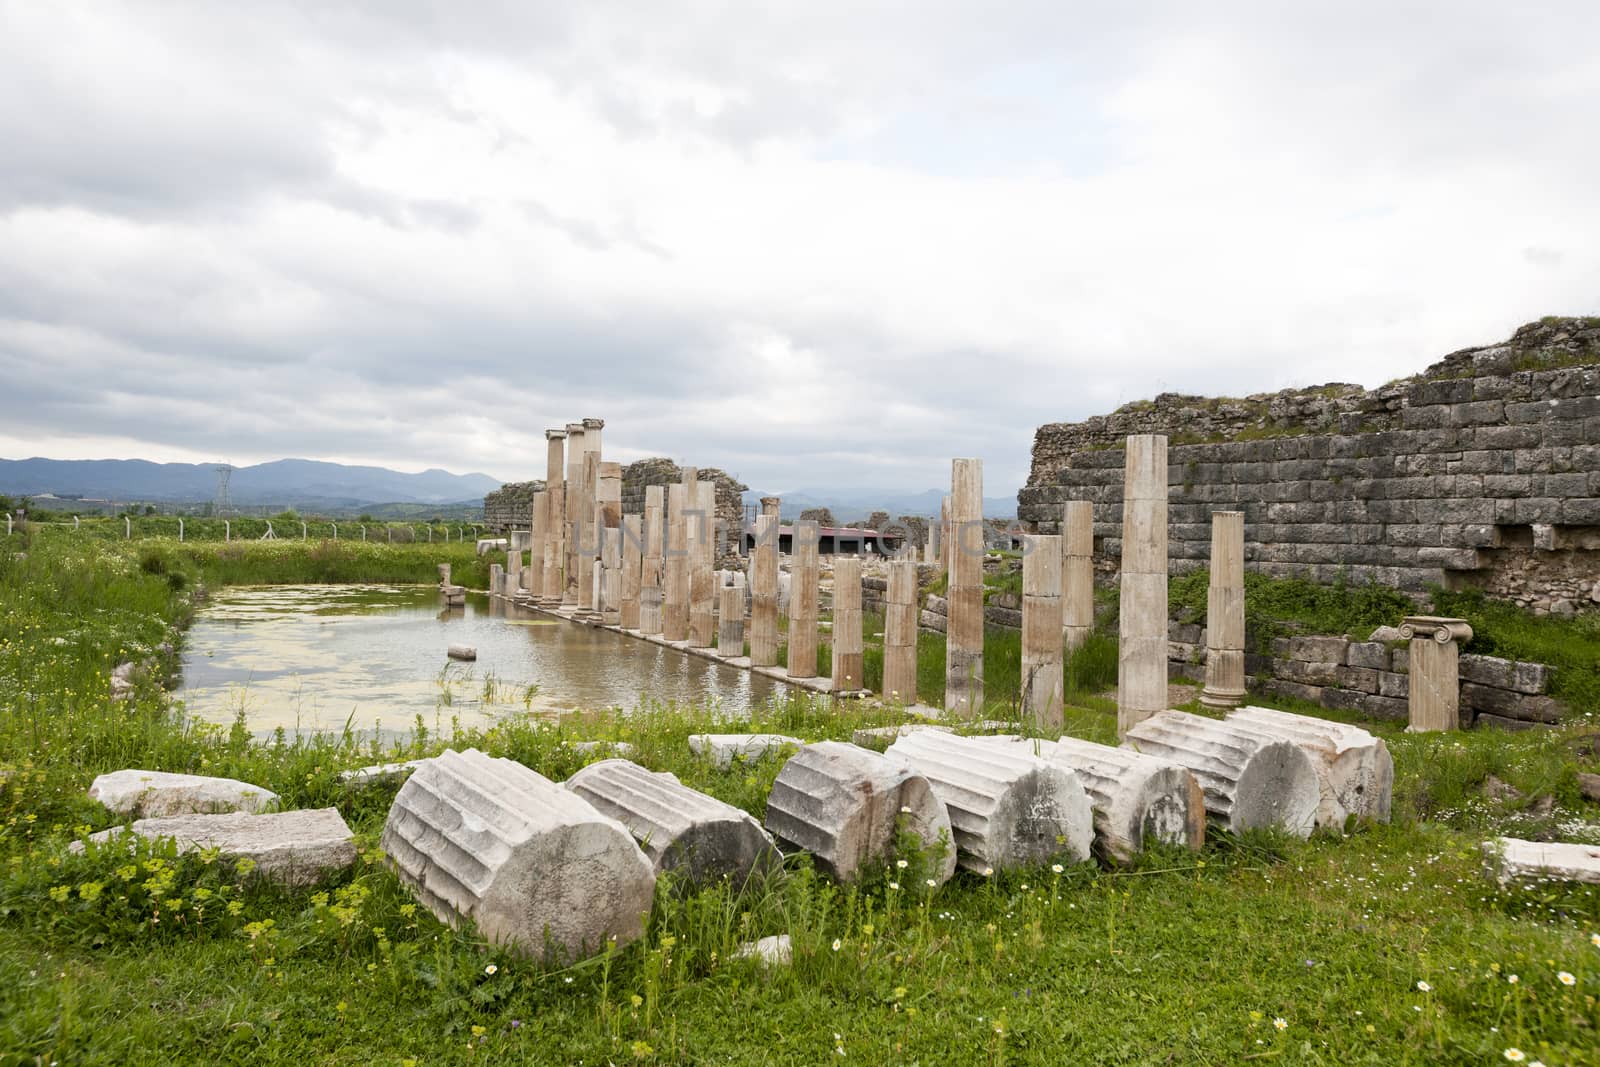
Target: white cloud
column 829, row 244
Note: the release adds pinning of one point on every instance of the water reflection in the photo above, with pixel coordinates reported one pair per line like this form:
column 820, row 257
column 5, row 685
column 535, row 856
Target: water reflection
column 311, row 657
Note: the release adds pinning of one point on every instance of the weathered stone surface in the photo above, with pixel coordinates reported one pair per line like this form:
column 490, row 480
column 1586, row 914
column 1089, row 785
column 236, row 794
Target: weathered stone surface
column 615, row 748
column 1008, row 808
column 1370, row 654
column 378, row 772
column 1136, row 798
column 680, row 829
column 295, row 848
column 530, row 863
column 723, row 749
column 151, row 794
column 845, row 805
column 879, row 738
column 461, row 652
column 1354, row 769
column 963, row 690
column 1248, row 781
column 774, row 951
column 1142, row 590
column 1512, row 859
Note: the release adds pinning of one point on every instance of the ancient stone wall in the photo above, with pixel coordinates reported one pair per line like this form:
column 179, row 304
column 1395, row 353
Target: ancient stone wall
column 1483, row 471
column 660, row 470
column 510, row 507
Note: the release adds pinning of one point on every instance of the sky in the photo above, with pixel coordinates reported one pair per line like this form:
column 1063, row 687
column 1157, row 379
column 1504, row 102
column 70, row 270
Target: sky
column 818, row 244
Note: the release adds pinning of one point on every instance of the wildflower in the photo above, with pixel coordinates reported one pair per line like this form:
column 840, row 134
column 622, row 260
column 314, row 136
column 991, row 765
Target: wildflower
column 837, row 944
column 987, row 871
column 490, row 970
column 900, row 864
column 1281, row 1023
column 894, row 885
column 1512, row 979
column 568, row 979
column 1594, row 939
column 1566, row 978
column 1515, row 1055
column 1056, row 868
column 932, row 884
column 1425, row 987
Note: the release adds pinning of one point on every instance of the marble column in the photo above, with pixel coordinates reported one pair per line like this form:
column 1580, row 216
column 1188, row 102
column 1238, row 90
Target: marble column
column 1077, row 572
column 675, row 567
column 573, row 515
column 536, row 538
column 555, row 537
column 1042, row 637
column 632, row 569
column 963, row 683
column 702, row 564
column 1142, row 654
column 900, row 633
column 849, row 667
column 589, row 545
column 1434, row 663
column 1225, row 613
column 650, row 571
column 730, row 616
column 764, row 587
column 804, row 576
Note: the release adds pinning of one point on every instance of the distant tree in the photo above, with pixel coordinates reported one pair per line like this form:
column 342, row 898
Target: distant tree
column 287, row 515
column 149, row 509
column 877, row 520
column 821, row 516
column 365, row 518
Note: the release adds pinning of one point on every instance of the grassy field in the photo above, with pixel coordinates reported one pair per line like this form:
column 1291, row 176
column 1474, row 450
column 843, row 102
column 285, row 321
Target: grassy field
column 1385, row 946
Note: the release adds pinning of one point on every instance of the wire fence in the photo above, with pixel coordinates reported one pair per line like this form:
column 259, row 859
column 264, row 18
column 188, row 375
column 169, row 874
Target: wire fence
column 134, row 528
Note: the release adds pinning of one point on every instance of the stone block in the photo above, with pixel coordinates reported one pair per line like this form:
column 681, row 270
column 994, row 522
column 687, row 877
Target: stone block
column 1329, row 650
column 293, row 848
column 879, row 738
column 1007, row 808
column 1371, row 654
column 533, row 865
column 462, row 652
column 1361, row 679
column 1278, row 687
column 152, row 794
column 1385, row 707
column 683, row 830
column 1486, row 670
column 1294, row 670
column 1248, row 782
column 1354, row 768
column 1394, row 684
column 1511, row 859
column 1501, row 722
column 1530, row 677
column 723, row 749
column 845, row 805
column 1343, row 699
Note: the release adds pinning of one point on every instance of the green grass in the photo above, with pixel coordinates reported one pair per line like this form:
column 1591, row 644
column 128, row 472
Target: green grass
column 1182, row 959
column 1571, row 646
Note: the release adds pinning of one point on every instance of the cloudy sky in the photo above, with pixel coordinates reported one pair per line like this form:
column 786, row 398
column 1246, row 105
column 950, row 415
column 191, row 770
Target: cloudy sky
column 814, row 243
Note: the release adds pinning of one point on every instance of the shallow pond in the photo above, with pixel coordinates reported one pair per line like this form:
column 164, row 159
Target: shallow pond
column 311, row 657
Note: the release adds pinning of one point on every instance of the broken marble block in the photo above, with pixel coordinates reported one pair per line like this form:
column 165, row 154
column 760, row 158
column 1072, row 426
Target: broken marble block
column 151, row 794
column 879, row 738
column 847, row 805
column 533, row 865
column 1250, row 781
column 1512, row 859
column 723, row 749
column 1136, row 798
column 294, row 848
column 773, row 951
column 680, row 829
column 462, row 652
column 1354, row 768
column 378, row 772
column 1008, row 807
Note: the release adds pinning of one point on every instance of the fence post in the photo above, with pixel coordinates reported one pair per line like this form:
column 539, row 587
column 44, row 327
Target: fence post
column 8, row 524
column 127, row 526
column 335, row 531
column 302, row 531
column 74, row 522
column 430, row 533
column 390, row 531
column 363, row 533
column 227, row 531
column 180, row 530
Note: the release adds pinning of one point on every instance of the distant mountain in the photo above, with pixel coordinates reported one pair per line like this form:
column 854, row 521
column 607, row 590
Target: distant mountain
column 286, row 482
column 849, row 505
